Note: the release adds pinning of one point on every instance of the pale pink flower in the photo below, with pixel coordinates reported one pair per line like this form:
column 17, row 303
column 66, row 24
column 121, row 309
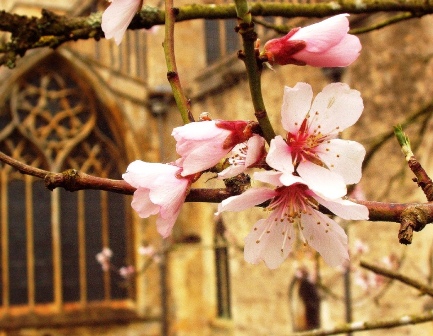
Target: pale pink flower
column 324, row 44
column 147, row 250
column 127, row 271
column 104, row 258
column 161, row 190
column 244, row 156
column 117, row 17
column 203, row 144
column 293, row 205
column 312, row 147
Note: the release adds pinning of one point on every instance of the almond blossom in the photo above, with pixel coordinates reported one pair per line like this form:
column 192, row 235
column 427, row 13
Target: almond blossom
column 244, row 155
column 203, row 144
column 117, row 17
column 161, row 190
column 293, row 205
column 323, row 44
column 312, row 147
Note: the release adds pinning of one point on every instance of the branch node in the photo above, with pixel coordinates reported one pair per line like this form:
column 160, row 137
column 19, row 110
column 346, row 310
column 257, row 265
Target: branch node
column 412, row 219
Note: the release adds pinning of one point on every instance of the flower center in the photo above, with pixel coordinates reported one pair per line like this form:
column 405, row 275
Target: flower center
column 303, row 144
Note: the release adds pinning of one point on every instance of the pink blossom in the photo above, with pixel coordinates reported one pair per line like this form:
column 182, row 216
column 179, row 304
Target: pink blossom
column 312, row 147
column 126, row 272
column 244, row 156
column 104, row 258
column 294, row 205
column 161, row 190
column 117, row 17
column 324, row 44
column 203, row 144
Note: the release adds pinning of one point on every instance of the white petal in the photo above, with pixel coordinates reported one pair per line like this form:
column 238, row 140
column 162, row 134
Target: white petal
column 296, row 104
column 117, row 17
column 327, row 238
column 267, row 242
column 344, row 208
column 231, row 171
column 269, row 176
column 143, row 174
column 279, row 156
column 343, row 157
column 255, row 151
column 322, row 180
column 246, row 200
column 197, row 130
column 335, row 108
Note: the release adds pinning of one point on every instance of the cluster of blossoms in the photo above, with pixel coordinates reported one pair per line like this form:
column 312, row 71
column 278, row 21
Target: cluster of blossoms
column 307, row 168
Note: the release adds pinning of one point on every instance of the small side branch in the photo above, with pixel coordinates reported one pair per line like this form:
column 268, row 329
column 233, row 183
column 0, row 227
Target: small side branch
column 422, row 287
column 371, row 325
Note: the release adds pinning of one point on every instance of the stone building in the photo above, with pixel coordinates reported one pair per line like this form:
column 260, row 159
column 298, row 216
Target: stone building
column 95, row 106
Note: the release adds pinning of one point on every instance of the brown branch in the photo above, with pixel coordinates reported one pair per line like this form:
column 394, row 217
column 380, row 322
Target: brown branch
column 370, row 325
column 422, row 287
column 52, row 30
column 420, row 214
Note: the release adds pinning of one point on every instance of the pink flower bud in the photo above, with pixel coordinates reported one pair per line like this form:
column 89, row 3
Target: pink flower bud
column 324, row 44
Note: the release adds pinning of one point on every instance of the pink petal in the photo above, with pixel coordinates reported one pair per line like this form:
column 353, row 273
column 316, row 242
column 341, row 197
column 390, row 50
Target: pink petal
column 336, row 108
column 117, row 17
column 203, row 157
column 271, row 247
column 327, row 238
column 325, row 34
column 142, row 204
column 164, row 226
column 279, row 156
column 246, row 200
column 342, row 54
column 343, row 157
column 322, row 180
column 344, row 208
column 296, row 104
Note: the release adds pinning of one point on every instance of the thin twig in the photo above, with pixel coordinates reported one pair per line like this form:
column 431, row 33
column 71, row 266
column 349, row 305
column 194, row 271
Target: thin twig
column 172, row 74
column 370, row 325
column 422, row 287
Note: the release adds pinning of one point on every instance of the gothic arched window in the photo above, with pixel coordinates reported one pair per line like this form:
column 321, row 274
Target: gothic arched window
column 51, row 119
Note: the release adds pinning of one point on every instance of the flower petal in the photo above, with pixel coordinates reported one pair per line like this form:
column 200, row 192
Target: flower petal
column 322, row 180
column 142, row 204
column 344, row 208
column 326, row 237
column 343, row 157
column 267, row 242
column 340, row 55
column 323, row 35
column 336, row 108
column 279, row 156
column 256, row 148
column 296, row 104
column 117, row 17
column 246, row 200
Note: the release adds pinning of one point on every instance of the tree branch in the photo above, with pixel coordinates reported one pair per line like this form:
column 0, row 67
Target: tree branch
column 423, row 288
column 52, row 30
column 370, row 325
